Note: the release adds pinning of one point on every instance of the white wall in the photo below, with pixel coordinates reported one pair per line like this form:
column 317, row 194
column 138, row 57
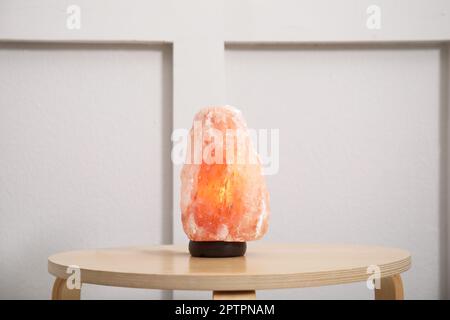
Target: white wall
column 85, row 157
column 359, row 148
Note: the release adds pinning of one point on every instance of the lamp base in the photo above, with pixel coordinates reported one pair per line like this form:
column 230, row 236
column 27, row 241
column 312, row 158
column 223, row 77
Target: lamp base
column 217, row 249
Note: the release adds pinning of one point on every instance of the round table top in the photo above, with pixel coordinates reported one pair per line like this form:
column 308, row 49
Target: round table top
column 265, row 266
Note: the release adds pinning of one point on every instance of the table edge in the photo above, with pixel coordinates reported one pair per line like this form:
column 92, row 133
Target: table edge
column 229, row 282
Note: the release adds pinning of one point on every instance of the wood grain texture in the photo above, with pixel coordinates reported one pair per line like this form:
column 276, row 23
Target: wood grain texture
column 61, row 292
column 234, row 295
column 391, row 288
column 265, row 266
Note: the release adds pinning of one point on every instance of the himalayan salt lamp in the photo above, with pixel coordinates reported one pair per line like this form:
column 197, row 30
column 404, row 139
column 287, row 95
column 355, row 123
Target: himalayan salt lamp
column 224, row 198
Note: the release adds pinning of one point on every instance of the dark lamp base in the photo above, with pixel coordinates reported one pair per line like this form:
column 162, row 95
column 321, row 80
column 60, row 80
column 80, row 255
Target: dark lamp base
column 217, row 249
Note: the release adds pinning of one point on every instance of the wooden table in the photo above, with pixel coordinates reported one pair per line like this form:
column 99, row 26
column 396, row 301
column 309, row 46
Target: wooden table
column 265, row 266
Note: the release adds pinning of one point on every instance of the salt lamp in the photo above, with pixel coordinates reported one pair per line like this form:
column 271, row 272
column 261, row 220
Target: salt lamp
column 224, row 198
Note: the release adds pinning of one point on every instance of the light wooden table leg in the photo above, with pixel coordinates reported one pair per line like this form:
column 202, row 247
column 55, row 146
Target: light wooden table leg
column 61, row 292
column 391, row 288
column 234, row 295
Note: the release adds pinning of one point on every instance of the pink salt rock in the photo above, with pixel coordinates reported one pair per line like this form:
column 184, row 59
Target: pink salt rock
column 223, row 192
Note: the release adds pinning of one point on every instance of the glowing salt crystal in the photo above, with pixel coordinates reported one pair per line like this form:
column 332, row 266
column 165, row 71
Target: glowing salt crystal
column 223, row 192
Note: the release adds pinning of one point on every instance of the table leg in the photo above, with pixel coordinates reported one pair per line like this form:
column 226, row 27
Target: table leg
column 234, row 295
column 61, row 292
column 391, row 288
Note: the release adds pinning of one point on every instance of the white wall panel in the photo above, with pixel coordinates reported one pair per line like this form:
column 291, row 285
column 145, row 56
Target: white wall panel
column 335, row 21
column 85, row 157
column 359, row 149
